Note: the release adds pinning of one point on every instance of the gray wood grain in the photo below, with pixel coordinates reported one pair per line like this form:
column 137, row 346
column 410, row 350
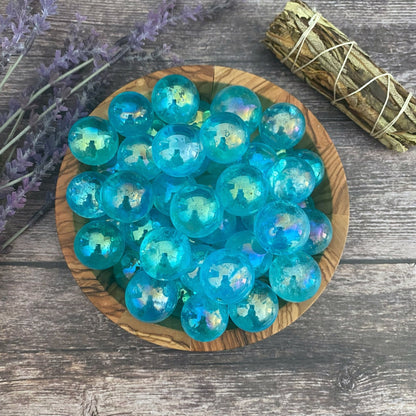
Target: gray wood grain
column 352, row 353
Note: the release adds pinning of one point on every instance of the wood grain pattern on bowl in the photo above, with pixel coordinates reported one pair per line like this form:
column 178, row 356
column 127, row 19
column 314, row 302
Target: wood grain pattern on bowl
column 331, row 197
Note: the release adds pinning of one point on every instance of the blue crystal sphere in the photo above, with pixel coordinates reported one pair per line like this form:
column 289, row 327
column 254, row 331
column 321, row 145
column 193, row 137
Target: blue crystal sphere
column 282, row 125
column 227, row 276
column 175, row 99
column 192, row 278
column 196, row 211
column 224, row 231
column 257, row 311
column 164, row 188
column 225, row 137
column 241, row 101
column 315, row 162
column 128, row 265
column 177, row 150
column 321, row 232
column 99, row 245
column 135, row 153
column 295, row 278
column 291, row 179
column 281, row 227
column 150, row 300
column 126, row 196
column 307, row 203
column 136, row 231
column 242, row 189
column 130, row 113
column 83, row 194
column 245, row 242
column 165, row 253
column 93, row 141
column 260, row 155
column 203, row 319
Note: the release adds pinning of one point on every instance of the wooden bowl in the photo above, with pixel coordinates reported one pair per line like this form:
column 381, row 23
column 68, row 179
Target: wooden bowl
column 330, row 197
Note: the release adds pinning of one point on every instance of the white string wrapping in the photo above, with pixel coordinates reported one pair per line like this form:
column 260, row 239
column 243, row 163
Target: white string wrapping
column 298, row 46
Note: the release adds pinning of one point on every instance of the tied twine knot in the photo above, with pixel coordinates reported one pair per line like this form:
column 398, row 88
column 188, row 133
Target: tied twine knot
column 351, row 44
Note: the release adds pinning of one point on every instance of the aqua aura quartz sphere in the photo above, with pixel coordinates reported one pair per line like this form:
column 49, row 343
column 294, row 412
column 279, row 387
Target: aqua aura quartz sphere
column 124, row 270
column 203, row 319
column 93, row 141
column 260, row 155
column 196, row 211
column 245, row 242
column 291, row 179
column 175, row 99
column 136, row 231
column 177, row 150
column 307, row 203
column 165, row 253
column 225, row 137
column 281, row 227
column 130, row 113
column 164, row 187
column 99, row 245
column 282, row 125
column 295, row 278
column 126, row 196
column 315, row 162
column 321, row 232
column 227, row 276
column 241, row 101
column 257, row 311
column 83, row 194
column 135, row 153
column 242, row 189
column 150, row 300
column 225, row 230
column 192, row 278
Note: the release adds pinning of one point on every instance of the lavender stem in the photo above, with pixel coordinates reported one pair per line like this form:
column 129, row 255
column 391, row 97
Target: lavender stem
column 11, row 183
column 10, row 70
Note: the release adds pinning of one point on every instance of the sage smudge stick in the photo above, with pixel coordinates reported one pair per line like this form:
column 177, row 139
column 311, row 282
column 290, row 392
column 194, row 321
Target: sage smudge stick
column 320, row 54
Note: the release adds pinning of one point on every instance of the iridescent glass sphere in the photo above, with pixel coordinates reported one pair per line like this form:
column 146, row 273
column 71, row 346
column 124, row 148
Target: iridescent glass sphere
column 291, row 179
column 307, row 203
column 164, row 187
column 135, row 153
column 126, row 196
column 150, row 300
column 321, row 232
column 83, row 194
column 227, row 276
column 257, row 311
column 202, row 114
column 260, row 155
column 225, row 137
column 165, row 253
column 295, row 278
column 315, row 162
column 196, row 211
column 192, row 278
column 242, row 189
column 225, row 230
column 136, row 231
column 245, row 242
column 203, row 319
column 177, row 150
column 241, row 101
column 282, row 125
column 93, row 141
column 175, row 99
column 130, row 113
column 99, row 245
column 128, row 265
column 281, row 227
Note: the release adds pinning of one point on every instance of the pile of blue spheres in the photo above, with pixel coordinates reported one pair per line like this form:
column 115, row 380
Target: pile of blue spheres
column 193, row 216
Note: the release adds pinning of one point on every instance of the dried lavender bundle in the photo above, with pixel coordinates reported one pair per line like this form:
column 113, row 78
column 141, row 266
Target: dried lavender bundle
column 320, row 54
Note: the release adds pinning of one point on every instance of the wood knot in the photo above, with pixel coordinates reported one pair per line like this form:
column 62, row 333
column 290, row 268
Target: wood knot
column 347, row 378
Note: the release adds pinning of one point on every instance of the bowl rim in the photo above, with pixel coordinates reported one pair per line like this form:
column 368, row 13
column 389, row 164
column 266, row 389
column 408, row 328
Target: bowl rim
column 208, row 78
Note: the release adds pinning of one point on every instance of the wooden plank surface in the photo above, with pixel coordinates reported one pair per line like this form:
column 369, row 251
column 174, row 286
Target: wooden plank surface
column 352, row 353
